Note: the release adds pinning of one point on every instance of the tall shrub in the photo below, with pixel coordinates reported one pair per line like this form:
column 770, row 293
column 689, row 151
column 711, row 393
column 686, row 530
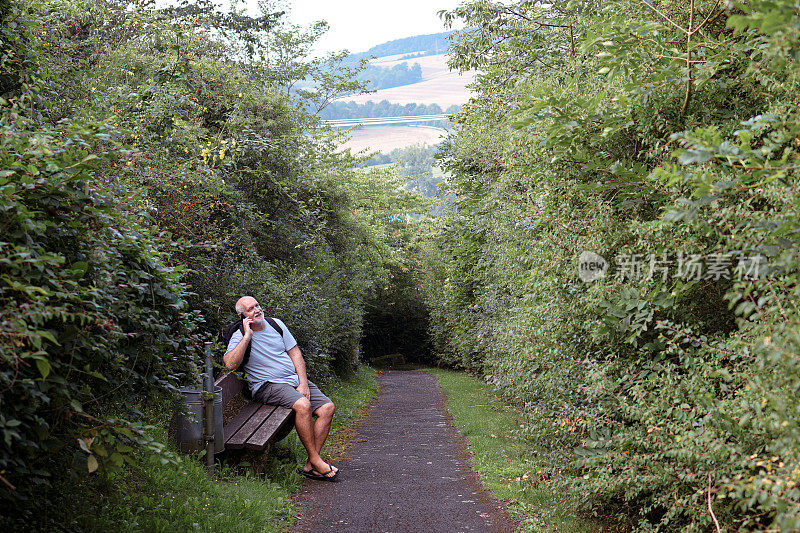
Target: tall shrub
column 664, row 130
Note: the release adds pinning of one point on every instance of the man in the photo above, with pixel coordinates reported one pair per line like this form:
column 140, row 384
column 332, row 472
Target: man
column 276, row 373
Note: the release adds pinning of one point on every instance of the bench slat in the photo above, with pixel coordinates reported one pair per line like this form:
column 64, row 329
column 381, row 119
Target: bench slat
column 255, row 425
column 239, row 420
column 261, row 414
column 268, row 429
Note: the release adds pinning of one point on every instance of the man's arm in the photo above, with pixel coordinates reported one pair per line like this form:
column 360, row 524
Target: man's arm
column 234, row 358
column 300, row 368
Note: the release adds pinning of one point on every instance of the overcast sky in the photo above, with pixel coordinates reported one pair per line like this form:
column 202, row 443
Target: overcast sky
column 359, row 24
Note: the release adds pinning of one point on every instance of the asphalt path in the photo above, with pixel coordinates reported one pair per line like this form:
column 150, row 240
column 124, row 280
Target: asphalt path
column 408, row 471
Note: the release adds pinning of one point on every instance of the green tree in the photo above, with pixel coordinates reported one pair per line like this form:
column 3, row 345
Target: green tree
column 151, row 174
column 286, row 61
column 655, row 128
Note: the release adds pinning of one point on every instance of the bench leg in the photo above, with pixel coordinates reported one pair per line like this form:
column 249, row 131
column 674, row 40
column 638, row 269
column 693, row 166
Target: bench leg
column 256, row 458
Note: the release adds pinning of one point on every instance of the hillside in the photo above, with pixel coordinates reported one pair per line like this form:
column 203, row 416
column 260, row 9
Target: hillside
column 611, row 264
column 438, row 85
column 433, row 43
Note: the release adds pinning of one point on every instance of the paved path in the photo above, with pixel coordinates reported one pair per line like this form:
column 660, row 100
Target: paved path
column 408, row 474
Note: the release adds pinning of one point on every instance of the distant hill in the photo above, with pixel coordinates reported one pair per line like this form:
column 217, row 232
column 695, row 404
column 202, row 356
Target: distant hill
column 439, row 85
column 418, row 45
column 413, row 78
column 394, row 76
column 400, row 72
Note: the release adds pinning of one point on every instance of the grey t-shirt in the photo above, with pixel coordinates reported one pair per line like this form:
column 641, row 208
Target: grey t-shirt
column 268, row 358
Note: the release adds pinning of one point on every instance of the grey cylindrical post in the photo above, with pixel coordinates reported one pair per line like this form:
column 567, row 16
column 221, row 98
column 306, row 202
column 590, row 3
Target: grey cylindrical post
column 208, row 379
column 208, row 408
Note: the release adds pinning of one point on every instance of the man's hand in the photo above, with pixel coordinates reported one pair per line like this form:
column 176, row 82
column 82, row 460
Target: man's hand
column 234, row 358
column 303, row 389
column 300, row 368
column 248, row 331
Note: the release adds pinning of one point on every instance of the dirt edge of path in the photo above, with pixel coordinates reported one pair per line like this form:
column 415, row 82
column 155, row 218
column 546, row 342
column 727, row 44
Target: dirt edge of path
column 465, row 454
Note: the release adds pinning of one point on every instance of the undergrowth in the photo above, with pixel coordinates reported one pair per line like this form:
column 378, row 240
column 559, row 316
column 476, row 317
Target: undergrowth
column 160, row 496
column 508, row 463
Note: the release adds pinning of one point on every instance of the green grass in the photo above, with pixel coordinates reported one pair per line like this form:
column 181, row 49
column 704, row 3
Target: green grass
column 182, row 497
column 508, row 465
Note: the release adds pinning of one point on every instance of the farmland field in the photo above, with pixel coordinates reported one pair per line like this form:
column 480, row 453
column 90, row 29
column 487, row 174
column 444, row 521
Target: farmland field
column 387, row 138
column 438, row 86
column 431, row 66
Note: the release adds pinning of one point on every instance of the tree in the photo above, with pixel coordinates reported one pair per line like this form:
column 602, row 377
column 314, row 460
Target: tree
column 286, row 61
column 634, row 130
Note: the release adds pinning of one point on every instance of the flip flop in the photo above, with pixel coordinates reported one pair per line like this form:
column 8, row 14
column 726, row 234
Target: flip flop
column 313, row 474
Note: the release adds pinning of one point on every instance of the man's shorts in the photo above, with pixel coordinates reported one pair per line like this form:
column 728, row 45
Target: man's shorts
column 285, row 395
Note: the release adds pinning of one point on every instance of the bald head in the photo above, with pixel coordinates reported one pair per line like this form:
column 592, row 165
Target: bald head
column 249, row 306
column 244, row 302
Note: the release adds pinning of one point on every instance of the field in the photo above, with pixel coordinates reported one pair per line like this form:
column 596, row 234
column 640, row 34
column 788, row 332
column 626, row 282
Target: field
column 385, row 139
column 432, row 66
column 439, row 85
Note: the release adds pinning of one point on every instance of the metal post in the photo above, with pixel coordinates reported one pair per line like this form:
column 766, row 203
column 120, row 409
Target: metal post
column 208, row 408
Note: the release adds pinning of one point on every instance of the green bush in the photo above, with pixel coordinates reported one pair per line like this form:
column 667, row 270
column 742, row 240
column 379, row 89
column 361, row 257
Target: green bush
column 607, row 128
column 151, row 174
column 91, row 310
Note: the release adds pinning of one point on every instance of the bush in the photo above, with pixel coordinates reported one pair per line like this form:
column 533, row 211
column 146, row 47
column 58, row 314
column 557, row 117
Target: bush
column 671, row 397
column 91, row 310
column 149, row 178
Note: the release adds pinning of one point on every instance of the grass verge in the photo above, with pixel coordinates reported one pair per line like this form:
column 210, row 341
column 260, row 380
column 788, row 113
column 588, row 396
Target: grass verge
column 160, row 496
column 508, row 465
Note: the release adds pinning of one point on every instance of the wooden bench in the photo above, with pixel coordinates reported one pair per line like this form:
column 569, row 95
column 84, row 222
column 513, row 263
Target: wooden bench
column 252, row 425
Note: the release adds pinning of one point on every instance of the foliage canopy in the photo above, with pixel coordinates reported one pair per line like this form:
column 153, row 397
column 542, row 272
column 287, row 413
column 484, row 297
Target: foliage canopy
column 664, row 129
column 152, row 170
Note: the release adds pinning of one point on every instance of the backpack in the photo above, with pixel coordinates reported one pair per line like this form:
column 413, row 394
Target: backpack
column 238, row 325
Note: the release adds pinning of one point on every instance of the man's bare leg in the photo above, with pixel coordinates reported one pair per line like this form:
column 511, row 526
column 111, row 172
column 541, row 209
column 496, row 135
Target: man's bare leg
column 322, row 426
column 304, row 424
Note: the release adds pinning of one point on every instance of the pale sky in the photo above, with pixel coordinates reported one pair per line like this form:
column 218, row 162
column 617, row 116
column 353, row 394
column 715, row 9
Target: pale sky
column 359, row 24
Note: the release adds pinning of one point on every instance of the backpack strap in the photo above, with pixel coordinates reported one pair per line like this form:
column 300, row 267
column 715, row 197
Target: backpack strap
column 275, row 325
column 246, row 356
